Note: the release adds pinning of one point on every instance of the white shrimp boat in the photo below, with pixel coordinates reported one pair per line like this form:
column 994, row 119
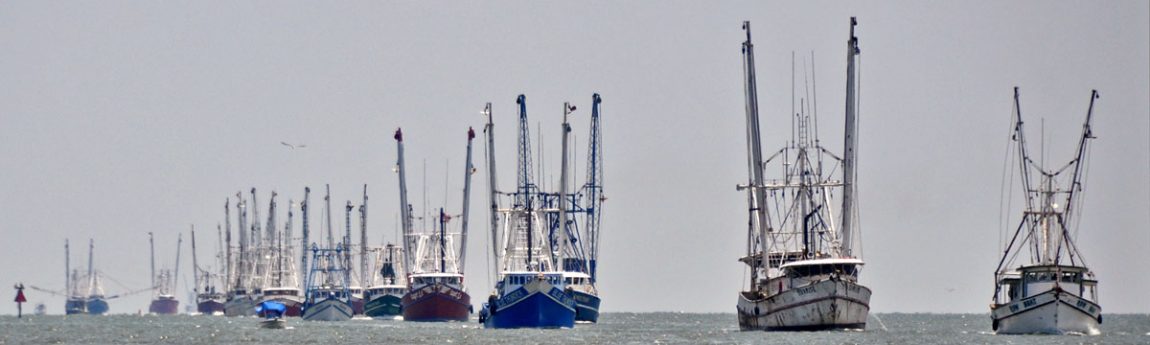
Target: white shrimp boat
column 803, row 268
column 1052, row 291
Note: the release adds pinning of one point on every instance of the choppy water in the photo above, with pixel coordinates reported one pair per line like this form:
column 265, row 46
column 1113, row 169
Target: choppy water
column 614, row 328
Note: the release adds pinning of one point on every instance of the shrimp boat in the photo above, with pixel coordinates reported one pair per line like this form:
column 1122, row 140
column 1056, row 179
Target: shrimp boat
column 209, row 301
column 163, row 301
column 281, row 284
column 530, row 289
column 1051, row 291
column 96, row 303
column 327, row 297
column 75, row 302
column 434, row 266
column 240, row 300
column 803, row 270
column 385, row 296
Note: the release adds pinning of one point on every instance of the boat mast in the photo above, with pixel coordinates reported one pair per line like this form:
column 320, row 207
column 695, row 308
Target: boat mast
column 227, row 245
column 67, row 268
column 270, row 246
column 152, row 248
column 759, row 219
column 1076, row 179
column 283, row 258
column 850, row 141
column 1024, row 170
column 195, row 265
column 489, row 133
column 442, row 241
column 594, row 186
column 523, row 195
column 404, row 206
column 562, row 252
column 327, row 208
column 347, row 241
column 468, row 170
column 179, row 244
column 363, row 274
column 91, row 271
column 242, row 257
column 304, row 237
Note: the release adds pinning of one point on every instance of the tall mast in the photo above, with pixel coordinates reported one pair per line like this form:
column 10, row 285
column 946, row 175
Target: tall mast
column 256, row 239
column 179, row 244
column 303, row 251
column 327, row 207
column 91, row 271
column 489, row 133
column 347, row 238
column 152, row 248
column 850, row 141
column 562, row 253
column 227, row 245
column 468, row 170
column 442, row 241
column 363, row 274
column 523, row 195
column 195, row 264
column 759, row 221
column 242, row 259
column 1024, row 163
column 1076, row 179
column 67, row 268
column 404, row 206
column 284, row 255
column 594, row 186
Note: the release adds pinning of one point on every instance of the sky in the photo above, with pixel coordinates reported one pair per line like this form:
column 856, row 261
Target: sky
column 119, row 118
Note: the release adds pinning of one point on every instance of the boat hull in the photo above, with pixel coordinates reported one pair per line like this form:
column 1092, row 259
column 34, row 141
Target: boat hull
column 276, row 323
column 164, row 306
column 384, row 306
column 74, row 306
column 328, row 309
column 822, row 305
column 240, row 306
column 357, row 305
column 97, row 306
column 293, row 305
column 586, row 306
column 210, row 307
column 436, row 302
column 535, row 305
column 1051, row 312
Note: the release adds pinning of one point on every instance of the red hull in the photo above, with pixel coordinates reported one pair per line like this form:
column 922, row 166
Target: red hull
column 294, row 308
column 436, row 303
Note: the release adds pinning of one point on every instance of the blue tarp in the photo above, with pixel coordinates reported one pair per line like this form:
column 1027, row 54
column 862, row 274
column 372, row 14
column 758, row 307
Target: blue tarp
column 271, row 309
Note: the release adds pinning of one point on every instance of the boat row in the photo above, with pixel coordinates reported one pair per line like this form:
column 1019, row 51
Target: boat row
column 803, row 253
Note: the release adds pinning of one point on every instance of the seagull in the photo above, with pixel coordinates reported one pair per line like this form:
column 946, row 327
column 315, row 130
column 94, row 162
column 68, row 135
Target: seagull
column 293, row 147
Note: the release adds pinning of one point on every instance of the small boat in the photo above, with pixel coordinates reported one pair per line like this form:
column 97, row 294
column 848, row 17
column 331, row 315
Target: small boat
column 273, row 314
column 209, row 301
column 1052, row 291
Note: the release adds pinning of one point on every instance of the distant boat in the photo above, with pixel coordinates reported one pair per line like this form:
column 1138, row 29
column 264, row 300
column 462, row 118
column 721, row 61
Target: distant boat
column 164, row 301
column 800, row 248
column 531, row 290
column 240, row 300
column 385, row 296
column 327, row 296
column 41, row 309
column 281, row 284
column 96, row 304
column 1052, row 290
column 76, row 301
column 326, row 293
column 209, row 301
column 435, row 266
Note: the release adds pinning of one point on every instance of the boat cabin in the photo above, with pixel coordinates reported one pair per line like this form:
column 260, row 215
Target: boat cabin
column 420, row 280
column 800, row 273
column 397, row 290
column 513, row 280
column 281, row 291
column 1029, row 281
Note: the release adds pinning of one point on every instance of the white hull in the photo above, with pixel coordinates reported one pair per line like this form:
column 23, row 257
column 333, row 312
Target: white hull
column 328, row 310
column 826, row 304
column 1051, row 312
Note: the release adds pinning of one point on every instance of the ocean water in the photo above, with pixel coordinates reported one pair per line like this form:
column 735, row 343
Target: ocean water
column 614, row 328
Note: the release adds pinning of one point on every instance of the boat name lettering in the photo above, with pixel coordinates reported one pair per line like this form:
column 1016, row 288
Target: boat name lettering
column 513, row 296
column 560, row 296
column 1028, row 303
column 805, row 290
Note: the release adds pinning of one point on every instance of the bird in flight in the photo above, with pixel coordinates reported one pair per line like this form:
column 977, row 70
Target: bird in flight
column 293, row 147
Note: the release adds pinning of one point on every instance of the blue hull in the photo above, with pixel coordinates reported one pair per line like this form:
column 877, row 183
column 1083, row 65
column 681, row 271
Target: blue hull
column 586, row 306
column 97, row 307
column 537, row 310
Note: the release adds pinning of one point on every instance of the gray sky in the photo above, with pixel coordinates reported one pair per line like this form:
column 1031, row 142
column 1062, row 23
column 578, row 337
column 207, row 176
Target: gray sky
column 120, row 118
